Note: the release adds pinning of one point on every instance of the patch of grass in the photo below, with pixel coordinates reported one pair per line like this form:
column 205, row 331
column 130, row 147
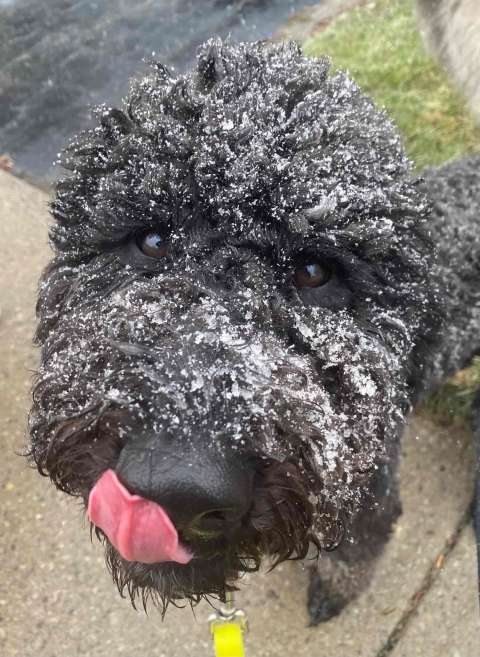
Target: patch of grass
column 453, row 401
column 379, row 45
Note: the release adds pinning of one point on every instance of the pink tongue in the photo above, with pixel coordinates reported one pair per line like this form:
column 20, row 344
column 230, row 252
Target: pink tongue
column 139, row 528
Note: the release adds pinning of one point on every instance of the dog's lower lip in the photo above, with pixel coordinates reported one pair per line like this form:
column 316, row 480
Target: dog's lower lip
column 202, row 535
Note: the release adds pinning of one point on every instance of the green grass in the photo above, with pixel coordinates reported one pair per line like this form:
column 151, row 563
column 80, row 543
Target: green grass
column 379, row 45
column 452, row 403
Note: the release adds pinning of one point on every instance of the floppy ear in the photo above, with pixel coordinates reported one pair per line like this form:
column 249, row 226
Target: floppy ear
column 476, row 500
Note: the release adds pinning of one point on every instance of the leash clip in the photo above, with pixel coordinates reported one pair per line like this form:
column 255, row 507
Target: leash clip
column 228, row 625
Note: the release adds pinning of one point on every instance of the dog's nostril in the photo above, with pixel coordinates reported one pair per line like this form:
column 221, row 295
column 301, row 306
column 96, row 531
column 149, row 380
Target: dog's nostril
column 211, row 526
column 208, row 526
column 212, row 520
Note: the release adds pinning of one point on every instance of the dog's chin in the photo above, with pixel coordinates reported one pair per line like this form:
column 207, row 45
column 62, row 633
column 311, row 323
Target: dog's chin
column 172, row 583
column 211, row 573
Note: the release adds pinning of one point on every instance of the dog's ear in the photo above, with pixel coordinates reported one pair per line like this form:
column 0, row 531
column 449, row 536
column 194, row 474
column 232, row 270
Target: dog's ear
column 211, row 65
column 115, row 125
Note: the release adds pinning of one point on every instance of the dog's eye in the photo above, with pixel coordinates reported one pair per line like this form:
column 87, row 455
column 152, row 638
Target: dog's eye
column 312, row 274
column 153, row 244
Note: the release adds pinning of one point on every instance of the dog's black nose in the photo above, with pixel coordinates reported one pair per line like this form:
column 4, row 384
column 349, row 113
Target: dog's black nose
column 205, row 493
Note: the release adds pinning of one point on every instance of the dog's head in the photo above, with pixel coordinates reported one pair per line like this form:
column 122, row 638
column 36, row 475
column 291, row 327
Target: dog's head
column 235, row 321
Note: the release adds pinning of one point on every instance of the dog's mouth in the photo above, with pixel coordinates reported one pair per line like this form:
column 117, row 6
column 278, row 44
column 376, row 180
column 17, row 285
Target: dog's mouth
column 151, row 559
column 140, row 529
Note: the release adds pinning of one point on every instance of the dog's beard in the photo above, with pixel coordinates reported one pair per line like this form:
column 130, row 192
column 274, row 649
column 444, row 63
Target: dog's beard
column 303, row 500
column 278, row 524
column 300, row 500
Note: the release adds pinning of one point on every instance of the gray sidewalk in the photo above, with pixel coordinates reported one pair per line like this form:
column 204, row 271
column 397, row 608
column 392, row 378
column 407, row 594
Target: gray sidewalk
column 57, row 599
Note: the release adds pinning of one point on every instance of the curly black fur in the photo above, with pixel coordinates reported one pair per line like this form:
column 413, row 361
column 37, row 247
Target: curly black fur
column 252, row 165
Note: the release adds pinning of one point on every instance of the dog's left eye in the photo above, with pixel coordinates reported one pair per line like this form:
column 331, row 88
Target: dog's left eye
column 312, row 274
column 153, row 244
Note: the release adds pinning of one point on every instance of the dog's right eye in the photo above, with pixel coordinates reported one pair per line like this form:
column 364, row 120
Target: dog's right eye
column 312, row 274
column 153, row 244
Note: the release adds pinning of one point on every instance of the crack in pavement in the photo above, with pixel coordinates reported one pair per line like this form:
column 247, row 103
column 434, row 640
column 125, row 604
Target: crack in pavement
column 429, row 579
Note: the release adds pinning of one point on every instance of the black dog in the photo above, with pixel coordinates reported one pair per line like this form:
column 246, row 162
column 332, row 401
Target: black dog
column 249, row 293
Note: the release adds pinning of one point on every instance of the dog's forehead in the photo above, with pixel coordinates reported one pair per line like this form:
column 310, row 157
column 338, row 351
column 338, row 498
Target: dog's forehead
column 254, row 135
column 264, row 154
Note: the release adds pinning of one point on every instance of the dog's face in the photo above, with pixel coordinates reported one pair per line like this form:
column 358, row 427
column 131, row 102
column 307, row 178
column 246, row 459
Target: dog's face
column 234, row 314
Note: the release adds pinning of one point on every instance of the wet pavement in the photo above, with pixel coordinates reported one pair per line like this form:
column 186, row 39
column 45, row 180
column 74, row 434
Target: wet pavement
column 58, row 58
column 57, row 599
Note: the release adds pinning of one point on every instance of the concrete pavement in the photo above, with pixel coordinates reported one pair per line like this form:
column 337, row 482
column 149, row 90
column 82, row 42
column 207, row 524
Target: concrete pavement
column 57, row 599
